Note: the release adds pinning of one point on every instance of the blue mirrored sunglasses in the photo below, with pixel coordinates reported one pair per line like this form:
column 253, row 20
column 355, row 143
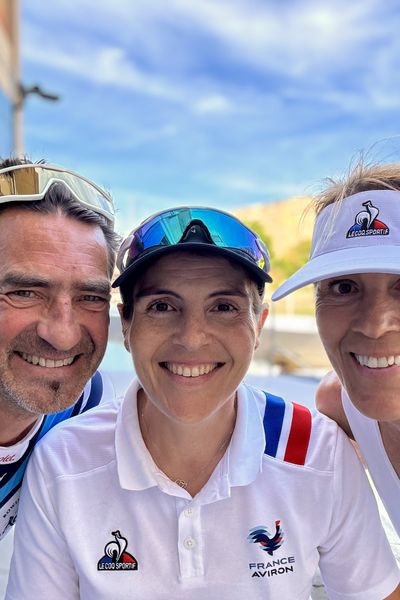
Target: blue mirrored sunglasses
column 167, row 229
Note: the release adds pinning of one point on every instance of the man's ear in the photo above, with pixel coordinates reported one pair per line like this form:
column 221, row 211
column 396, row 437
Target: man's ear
column 260, row 323
column 125, row 326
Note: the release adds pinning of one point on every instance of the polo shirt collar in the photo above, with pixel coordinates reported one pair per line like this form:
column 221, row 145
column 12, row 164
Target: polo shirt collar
column 248, row 441
column 239, row 466
column 134, row 462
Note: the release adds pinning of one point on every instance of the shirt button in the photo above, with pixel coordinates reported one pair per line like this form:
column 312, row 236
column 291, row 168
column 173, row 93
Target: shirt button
column 189, row 543
column 188, row 512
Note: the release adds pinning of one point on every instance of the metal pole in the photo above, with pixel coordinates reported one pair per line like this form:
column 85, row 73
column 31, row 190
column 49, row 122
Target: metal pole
column 18, row 100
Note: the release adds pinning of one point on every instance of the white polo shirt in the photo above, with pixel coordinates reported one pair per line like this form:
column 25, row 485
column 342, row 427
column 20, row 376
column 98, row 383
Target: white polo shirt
column 98, row 520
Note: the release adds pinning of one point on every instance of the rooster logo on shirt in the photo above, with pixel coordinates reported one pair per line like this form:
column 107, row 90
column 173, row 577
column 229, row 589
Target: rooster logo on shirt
column 269, row 543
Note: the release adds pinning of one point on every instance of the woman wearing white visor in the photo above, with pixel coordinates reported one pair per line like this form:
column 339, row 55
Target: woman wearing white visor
column 355, row 264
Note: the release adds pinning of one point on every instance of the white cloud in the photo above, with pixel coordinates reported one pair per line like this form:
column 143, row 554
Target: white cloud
column 314, row 44
column 113, row 66
column 291, row 38
column 215, row 103
column 103, row 65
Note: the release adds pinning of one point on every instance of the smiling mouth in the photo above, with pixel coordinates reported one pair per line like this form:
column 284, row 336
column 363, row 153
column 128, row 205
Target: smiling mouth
column 375, row 362
column 191, row 371
column 46, row 362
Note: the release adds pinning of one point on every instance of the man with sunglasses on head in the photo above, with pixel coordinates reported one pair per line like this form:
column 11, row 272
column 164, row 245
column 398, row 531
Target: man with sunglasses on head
column 195, row 485
column 57, row 248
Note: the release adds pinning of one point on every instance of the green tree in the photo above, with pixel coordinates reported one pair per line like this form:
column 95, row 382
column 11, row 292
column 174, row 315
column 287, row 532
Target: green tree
column 294, row 258
column 282, row 265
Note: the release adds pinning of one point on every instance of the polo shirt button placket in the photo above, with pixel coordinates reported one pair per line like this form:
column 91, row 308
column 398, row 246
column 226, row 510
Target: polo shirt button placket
column 189, row 543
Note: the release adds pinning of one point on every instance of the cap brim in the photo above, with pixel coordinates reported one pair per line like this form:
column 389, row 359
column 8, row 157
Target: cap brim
column 143, row 262
column 375, row 259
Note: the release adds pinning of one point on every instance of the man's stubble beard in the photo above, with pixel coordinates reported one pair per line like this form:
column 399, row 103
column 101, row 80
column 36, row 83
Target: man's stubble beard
column 45, row 397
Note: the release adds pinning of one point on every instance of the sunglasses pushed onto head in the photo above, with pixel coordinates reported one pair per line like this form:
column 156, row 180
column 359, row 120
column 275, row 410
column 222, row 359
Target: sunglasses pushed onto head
column 30, row 182
column 193, row 228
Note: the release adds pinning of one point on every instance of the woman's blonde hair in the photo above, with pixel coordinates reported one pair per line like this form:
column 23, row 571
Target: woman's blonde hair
column 361, row 178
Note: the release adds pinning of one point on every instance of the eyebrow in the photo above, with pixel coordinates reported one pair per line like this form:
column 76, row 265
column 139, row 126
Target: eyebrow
column 101, row 287
column 153, row 291
column 20, row 279
column 230, row 292
column 35, row 281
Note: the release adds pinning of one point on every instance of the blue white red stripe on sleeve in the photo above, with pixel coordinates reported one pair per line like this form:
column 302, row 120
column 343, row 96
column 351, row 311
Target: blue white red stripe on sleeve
column 287, row 427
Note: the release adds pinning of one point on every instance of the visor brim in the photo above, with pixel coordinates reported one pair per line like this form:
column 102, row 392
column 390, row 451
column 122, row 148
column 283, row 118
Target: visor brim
column 375, row 259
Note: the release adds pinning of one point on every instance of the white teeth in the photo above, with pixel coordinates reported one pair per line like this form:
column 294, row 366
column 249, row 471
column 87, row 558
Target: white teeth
column 47, row 362
column 186, row 371
column 373, row 362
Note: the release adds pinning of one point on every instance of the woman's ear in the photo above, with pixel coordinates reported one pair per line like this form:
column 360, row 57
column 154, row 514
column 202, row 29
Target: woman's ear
column 125, row 327
column 260, row 323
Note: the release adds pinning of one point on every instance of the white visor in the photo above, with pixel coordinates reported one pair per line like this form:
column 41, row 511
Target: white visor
column 361, row 234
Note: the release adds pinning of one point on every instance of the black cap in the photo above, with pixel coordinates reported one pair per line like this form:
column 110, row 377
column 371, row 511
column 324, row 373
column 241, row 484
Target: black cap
column 195, row 237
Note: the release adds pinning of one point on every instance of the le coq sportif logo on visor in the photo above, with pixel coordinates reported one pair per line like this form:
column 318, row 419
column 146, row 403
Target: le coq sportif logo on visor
column 366, row 222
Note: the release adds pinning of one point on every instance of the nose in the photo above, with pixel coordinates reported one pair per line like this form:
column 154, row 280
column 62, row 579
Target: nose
column 192, row 331
column 379, row 314
column 59, row 325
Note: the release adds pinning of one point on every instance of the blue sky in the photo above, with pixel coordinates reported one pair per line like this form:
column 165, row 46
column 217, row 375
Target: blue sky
column 212, row 102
